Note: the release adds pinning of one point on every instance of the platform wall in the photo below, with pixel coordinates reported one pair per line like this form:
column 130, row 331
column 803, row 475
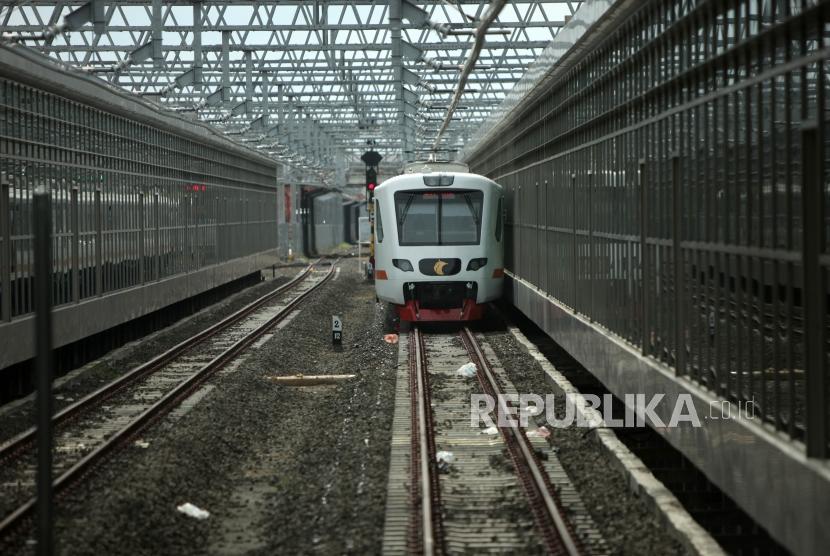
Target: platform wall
column 148, row 207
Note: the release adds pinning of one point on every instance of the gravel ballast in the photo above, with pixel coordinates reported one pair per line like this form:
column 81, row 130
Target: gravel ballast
column 19, row 415
column 300, row 469
column 279, row 468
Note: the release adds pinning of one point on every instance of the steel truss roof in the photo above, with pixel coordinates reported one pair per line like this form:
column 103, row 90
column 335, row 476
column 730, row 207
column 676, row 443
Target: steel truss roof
column 312, row 82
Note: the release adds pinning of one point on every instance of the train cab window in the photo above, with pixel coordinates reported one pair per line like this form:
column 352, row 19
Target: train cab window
column 379, row 222
column 441, row 218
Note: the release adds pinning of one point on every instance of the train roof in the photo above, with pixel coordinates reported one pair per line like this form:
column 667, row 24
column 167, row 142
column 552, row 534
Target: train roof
column 424, row 167
column 435, row 181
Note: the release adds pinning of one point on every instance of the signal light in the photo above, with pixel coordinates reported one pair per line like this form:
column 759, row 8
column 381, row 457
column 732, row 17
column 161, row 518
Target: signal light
column 371, row 177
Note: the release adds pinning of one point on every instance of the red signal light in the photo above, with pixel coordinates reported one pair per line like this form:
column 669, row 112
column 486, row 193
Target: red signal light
column 370, row 186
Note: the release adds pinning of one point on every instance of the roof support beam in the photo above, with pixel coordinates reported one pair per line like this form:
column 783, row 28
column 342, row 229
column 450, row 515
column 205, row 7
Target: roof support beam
column 158, row 52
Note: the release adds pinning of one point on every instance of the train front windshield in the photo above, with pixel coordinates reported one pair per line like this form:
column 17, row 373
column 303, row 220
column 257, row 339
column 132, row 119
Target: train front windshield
column 439, row 218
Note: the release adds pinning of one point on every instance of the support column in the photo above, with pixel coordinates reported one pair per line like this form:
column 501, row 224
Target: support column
column 677, row 252
column 592, row 289
column 156, row 19
column 141, row 239
column 197, row 46
column 395, row 24
column 644, row 335
column 574, row 247
column 6, row 254
column 249, row 82
column 226, row 66
column 157, row 236
column 76, row 245
column 99, row 245
column 813, row 293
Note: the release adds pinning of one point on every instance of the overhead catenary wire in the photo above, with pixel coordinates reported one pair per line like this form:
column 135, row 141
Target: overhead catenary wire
column 481, row 31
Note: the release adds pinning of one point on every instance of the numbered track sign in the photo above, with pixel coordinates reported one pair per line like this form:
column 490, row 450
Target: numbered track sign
column 336, row 329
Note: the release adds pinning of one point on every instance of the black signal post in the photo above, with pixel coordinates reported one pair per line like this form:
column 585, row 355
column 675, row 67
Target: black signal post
column 371, row 159
column 371, row 183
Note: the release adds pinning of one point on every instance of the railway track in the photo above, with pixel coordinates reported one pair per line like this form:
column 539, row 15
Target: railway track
column 497, row 494
column 548, row 512
column 94, row 427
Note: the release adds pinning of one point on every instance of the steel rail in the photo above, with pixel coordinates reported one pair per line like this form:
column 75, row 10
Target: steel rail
column 515, row 438
column 425, row 461
column 27, row 437
column 163, row 405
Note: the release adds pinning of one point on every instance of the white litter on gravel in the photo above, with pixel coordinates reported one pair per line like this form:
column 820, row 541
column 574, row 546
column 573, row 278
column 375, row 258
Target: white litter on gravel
column 467, row 370
column 446, row 457
column 193, row 511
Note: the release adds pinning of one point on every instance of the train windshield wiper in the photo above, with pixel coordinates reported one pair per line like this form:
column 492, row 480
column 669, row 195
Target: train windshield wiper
column 405, row 210
column 473, row 211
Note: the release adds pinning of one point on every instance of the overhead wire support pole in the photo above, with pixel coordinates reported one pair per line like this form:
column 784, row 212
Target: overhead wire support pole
column 395, row 24
column 491, row 15
column 197, row 45
column 226, row 66
column 158, row 53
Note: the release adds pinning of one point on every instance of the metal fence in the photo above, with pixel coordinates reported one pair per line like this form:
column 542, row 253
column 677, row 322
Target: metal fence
column 131, row 202
column 672, row 187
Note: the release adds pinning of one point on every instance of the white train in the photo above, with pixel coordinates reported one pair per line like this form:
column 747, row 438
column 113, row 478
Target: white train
column 439, row 243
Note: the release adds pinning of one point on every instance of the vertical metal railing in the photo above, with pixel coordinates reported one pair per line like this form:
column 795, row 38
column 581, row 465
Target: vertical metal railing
column 96, row 162
column 813, row 290
column 76, row 246
column 5, row 254
column 142, row 245
column 719, row 109
column 156, row 237
column 645, row 326
column 590, row 310
column 99, row 244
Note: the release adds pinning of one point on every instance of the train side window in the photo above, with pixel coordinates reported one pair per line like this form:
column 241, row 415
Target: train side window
column 379, row 221
column 499, row 219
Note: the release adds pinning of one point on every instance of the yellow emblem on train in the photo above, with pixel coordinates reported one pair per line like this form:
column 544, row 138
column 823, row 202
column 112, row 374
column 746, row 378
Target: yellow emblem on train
column 439, row 267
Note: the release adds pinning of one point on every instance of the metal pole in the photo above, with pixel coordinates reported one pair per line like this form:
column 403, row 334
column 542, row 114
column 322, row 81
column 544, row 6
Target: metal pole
column 158, row 53
column 156, row 237
column 591, row 265
column 813, row 291
column 142, row 251
column 6, row 254
column 574, row 254
column 677, row 232
column 76, row 248
column 43, row 339
column 644, row 260
column 99, row 245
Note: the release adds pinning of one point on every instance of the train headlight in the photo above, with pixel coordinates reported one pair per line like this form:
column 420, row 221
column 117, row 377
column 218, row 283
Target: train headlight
column 438, row 180
column 475, row 264
column 403, row 264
